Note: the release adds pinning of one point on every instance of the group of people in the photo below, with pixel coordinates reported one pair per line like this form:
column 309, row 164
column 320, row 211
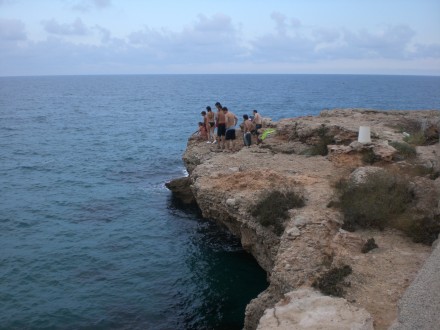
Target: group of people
column 225, row 122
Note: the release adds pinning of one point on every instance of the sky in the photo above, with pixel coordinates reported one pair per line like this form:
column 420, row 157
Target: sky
column 84, row 37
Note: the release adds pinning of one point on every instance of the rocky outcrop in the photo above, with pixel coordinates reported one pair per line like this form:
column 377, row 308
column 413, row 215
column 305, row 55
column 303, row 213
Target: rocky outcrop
column 182, row 190
column 309, row 156
column 308, row 309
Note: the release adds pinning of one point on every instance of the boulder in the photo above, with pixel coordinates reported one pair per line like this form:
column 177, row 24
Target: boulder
column 427, row 197
column 181, row 190
column 384, row 151
column 308, row 309
column 361, row 174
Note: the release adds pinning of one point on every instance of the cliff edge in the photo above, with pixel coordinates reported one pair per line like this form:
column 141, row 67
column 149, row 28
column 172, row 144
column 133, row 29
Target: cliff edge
column 288, row 200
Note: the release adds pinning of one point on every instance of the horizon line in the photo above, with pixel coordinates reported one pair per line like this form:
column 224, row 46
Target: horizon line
column 219, row 74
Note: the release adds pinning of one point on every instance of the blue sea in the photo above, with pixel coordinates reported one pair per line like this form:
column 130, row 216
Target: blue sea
column 89, row 236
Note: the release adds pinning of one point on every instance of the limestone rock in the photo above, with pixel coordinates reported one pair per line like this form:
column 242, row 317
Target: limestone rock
column 351, row 242
column 427, row 197
column 181, row 189
column 228, row 185
column 307, row 309
column 381, row 150
column 429, row 157
column 361, row 174
column 384, row 151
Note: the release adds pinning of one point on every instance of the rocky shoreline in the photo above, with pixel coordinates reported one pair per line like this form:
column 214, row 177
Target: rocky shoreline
column 308, row 157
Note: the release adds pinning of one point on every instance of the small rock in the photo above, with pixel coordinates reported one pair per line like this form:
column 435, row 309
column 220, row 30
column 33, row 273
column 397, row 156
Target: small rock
column 300, row 221
column 293, row 232
column 369, row 245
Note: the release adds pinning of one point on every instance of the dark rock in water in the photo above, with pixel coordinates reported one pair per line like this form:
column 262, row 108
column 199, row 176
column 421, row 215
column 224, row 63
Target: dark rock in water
column 181, row 189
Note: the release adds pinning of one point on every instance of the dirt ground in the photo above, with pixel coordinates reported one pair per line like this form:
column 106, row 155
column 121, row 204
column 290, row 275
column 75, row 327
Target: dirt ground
column 381, row 276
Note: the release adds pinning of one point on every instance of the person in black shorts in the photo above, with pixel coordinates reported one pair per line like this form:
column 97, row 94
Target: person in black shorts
column 221, row 126
column 230, row 120
column 258, row 121
column 211, row 121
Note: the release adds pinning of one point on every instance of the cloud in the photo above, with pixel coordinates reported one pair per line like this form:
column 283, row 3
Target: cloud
column 323, row 35
column 6, row 2
column 208, row 44
column 283, row 24
column 105, row 34
column 87, row 5
column 295, row 42
column 289, row 42
column 392, row 42
column 102, row 3
column 426, row 51
column 77, row 27
column 208, row 39
column 12, row 30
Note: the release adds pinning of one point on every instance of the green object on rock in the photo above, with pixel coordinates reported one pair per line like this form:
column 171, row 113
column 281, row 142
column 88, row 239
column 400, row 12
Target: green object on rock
column 267, row 132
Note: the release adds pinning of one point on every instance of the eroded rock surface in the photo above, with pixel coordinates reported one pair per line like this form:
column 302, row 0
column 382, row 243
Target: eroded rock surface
column 227, row 187
column 182, row 190
column 308, row 309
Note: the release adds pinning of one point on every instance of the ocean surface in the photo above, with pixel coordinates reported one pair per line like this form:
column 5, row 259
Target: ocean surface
column 89, row 236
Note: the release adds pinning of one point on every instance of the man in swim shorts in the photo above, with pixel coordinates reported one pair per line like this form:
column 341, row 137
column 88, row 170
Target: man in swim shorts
column 221, row 126
column 230, row 121
column 206, row 124
column 258, row 121
column 211, row 121
column 247, row 127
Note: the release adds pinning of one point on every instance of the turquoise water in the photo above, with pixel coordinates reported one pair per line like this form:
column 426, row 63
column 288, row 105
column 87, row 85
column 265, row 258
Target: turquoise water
column 89, row 236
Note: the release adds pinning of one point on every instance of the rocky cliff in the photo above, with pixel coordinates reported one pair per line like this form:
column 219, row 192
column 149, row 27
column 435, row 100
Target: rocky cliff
column 307, row 159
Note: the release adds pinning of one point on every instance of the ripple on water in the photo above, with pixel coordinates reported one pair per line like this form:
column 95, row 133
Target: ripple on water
column 90, row 237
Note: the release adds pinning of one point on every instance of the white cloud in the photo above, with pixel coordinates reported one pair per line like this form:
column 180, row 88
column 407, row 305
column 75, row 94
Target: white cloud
column 209, row 39
column 211, row 44
column 426, row 51
column 105, row 34
column 77, row 27
column 295, row 42
column 283, row 24
column 6, row 2
column 393, row 42
column 12, row 30
column 102, row 3
column 87, row 5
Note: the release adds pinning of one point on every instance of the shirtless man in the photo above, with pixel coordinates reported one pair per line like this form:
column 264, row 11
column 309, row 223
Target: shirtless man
column 230, row 120
column 221, row 126
column 206, row 124
column 247, row 131
column 211, row 121
column 258, row 121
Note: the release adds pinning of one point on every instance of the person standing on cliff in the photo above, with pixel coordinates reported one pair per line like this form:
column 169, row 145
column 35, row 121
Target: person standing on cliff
column 247, row 128
column 230, row 120
column 206, row 124
column 258, row 121
column 211, row 121
column 221, row 126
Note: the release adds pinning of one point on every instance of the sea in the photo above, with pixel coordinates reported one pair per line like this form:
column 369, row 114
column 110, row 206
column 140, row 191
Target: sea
column 90, row 238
